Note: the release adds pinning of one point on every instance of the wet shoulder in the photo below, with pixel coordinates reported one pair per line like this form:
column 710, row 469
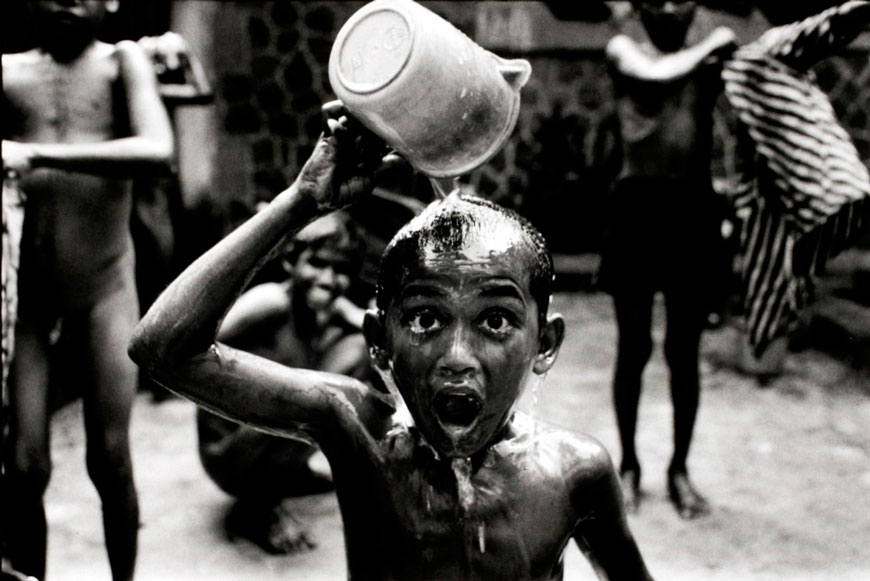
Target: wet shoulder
column 575, row 455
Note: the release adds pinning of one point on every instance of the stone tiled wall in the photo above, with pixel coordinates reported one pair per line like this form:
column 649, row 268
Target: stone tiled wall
column 271, row 78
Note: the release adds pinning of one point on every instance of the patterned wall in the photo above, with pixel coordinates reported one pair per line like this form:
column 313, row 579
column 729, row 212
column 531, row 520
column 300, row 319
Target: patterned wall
column 271, row 80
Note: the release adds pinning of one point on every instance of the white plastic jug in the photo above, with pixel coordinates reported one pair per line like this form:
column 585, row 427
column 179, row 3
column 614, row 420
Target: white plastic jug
column 443, row 102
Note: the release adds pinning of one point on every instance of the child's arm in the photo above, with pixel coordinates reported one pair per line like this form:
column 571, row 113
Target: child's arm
column 602, row 532
column 631, row 61
column 149, row 148
column 175, row 341
column 182, row 79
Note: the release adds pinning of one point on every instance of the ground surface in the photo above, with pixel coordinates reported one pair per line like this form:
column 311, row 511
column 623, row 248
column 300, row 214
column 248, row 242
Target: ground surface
column 786, row 467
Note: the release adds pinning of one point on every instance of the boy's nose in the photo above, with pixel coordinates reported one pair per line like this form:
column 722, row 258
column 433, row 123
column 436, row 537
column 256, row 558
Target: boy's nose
column 459, row 357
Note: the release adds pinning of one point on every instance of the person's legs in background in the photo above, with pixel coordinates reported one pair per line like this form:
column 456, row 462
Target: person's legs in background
column 633, row 310
column 686, row 317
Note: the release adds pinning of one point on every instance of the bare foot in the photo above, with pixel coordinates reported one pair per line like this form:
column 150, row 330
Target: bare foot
column 688, row 502
column 630, row 484
column 287, row 534
column 274, row 529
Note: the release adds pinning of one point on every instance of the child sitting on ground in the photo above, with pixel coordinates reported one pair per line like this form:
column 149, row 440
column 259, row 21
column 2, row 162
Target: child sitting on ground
column 305, row 321
column 465, row 488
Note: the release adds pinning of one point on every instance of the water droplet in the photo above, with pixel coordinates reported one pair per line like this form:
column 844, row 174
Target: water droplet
column 533, row 405
column 481, row 537
column 464, row 487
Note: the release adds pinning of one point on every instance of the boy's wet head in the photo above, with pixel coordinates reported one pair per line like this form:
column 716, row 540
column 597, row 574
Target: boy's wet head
column 463, row 292
column 455, row 223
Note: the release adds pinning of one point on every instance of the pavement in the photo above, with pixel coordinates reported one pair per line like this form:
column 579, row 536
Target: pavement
column 785, row 465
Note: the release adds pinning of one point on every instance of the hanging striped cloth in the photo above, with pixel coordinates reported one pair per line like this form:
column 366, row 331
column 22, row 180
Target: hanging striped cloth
column 810, row 193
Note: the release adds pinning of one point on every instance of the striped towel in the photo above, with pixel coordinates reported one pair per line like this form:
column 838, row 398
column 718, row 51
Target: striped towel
column 810, row 191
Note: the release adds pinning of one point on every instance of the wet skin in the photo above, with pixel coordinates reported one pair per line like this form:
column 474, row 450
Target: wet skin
column 413, row 506
column 463, row 333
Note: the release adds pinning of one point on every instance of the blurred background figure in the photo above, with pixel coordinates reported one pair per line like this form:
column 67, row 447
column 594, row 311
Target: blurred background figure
column 664, row 225
column 303, row 321
column 81, row 117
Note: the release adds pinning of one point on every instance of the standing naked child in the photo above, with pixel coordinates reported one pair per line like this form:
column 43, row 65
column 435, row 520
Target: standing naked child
column 664, row 234
column 305, row 322
column 80, row 116
column 468, row 489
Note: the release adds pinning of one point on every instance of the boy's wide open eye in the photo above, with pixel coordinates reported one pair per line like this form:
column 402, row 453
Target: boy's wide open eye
column 423, row 321
column 496, row 322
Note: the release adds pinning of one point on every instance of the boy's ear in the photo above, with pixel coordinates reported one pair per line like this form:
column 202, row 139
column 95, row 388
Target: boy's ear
column 552, row 335
column 374, row 331
column 112, row 6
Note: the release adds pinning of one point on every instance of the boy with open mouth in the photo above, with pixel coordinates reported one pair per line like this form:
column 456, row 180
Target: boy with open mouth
column 465, row 487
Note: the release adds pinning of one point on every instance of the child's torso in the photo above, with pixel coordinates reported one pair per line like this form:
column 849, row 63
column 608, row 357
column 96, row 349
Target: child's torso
column 76, row 223
column 666, row 131
column 423, row 519
column 77, row 102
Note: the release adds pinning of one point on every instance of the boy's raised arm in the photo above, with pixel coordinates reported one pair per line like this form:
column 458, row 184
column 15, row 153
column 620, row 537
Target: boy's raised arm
column 149, row 147
column 175, row 341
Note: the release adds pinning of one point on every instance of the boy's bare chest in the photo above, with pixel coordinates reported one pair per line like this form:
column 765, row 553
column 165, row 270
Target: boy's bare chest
column 64, row 103
column 507, row 518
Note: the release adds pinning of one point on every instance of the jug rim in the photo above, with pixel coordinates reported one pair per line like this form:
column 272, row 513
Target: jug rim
column 348, row 28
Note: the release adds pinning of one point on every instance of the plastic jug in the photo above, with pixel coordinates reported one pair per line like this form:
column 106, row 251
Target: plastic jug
column 443, row 102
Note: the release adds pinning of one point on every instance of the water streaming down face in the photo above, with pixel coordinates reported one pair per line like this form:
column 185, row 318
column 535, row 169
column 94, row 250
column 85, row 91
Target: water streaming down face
column 464, row 487
column 459, row 263
column 457, row 242
column 532, row 411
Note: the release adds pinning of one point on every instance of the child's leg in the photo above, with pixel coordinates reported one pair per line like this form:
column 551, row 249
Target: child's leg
column 108, row 401
column 633, row 311
column 252, row 465
column 685, row 323
column 27, row 460
column 260, row 470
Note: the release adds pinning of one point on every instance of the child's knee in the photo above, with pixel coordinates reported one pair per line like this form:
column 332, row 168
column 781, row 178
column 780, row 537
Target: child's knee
column 30, row 471
column 681, row 354
column 635, row 353
column 109, row 462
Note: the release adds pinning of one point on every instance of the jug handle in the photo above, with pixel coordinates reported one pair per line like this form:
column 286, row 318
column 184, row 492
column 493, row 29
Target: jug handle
column 516, row 71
